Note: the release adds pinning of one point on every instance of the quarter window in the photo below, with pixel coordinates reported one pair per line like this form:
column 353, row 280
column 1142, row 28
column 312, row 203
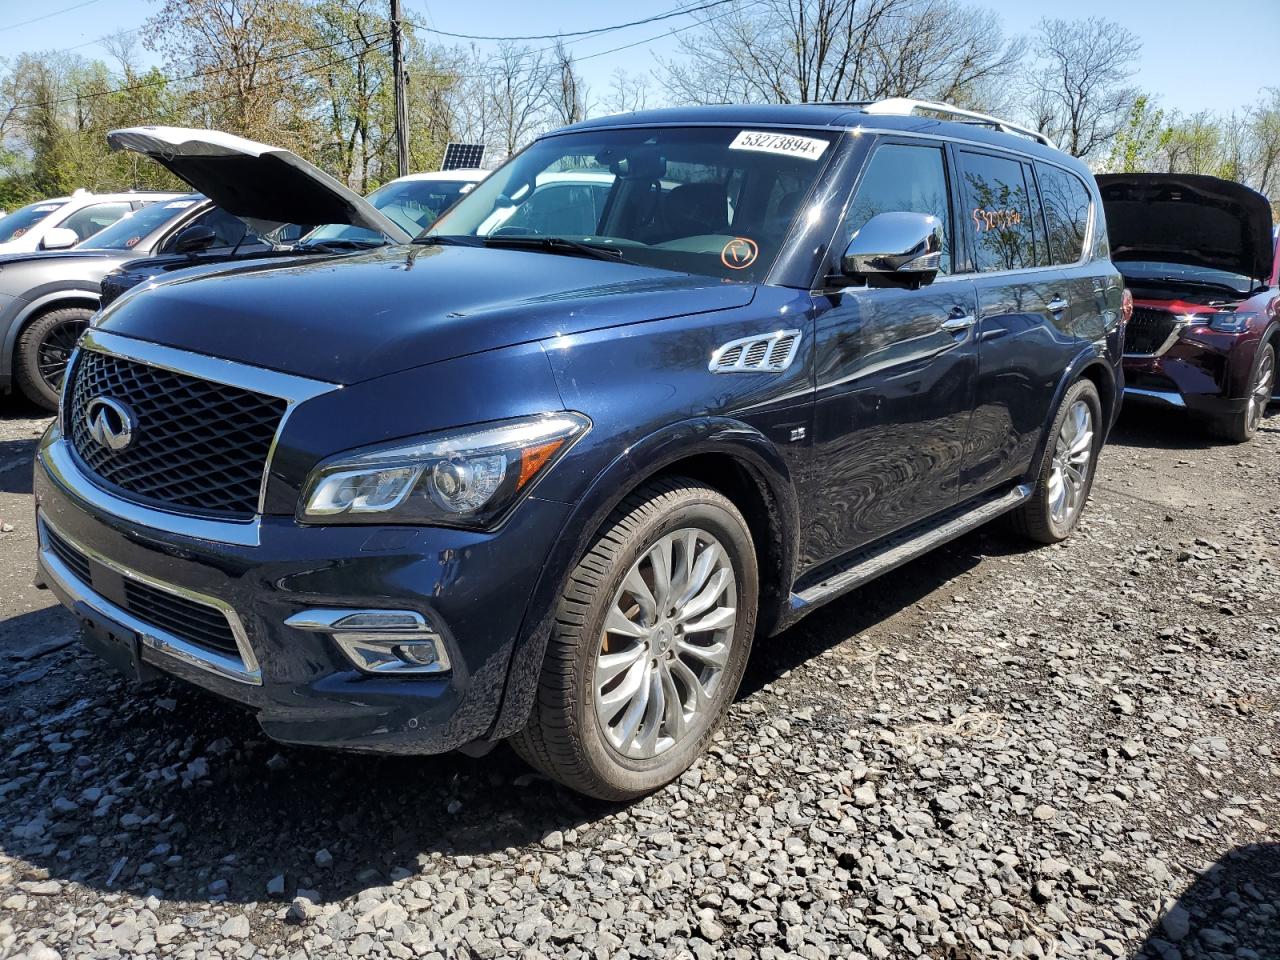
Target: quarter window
column 908, row 178
column 999, row 211
column 1066, row 210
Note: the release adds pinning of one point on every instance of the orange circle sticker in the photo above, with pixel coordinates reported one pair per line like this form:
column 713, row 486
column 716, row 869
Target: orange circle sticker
column 739, row 253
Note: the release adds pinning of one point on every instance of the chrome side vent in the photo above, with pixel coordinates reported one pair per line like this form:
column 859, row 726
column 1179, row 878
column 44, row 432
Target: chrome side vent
column 771, row 353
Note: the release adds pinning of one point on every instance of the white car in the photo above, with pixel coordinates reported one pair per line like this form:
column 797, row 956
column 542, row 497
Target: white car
column 413, row 203
column 63, row 222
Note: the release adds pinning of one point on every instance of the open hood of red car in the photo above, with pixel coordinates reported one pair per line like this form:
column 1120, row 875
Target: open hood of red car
column 1185, row 218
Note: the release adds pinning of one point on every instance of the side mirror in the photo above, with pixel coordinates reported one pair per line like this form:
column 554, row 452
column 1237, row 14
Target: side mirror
column 194, row 239
column 898, row 245
column 59, row 238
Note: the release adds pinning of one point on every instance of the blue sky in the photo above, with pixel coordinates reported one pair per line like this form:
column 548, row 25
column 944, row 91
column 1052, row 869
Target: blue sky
column 1190, row 60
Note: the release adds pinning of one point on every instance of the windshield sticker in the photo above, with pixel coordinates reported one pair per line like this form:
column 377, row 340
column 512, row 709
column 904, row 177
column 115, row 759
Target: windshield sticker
column 739, row 253
column 984, row 219
column 179, row 204
column 786, row 144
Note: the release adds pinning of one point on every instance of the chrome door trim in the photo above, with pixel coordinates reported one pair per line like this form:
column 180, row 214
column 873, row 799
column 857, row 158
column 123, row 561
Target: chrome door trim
column 244, row 670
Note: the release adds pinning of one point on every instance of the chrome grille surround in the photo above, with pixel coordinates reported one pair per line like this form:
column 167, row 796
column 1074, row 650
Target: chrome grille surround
column 286, row 389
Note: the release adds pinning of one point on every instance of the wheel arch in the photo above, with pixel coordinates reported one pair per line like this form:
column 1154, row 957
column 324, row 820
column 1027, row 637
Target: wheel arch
column 36, row 308
column 1092, row 365
column 727, row 455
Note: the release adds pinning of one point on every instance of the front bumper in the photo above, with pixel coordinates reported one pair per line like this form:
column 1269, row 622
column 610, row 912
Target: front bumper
column 1202, row 372
column 472, row 586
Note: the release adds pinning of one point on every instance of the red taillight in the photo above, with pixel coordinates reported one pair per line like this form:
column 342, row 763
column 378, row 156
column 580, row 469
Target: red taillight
column 1126, row 305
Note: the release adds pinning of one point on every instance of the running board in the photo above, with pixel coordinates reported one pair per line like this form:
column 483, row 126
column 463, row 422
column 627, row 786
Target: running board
column 900, row 548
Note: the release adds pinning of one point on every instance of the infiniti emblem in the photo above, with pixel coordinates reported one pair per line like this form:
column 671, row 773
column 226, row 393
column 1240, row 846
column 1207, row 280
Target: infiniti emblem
column 111, row 423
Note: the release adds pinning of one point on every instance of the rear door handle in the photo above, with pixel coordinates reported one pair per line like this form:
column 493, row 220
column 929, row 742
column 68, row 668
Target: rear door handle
column 958, row 324
column 1057, row 305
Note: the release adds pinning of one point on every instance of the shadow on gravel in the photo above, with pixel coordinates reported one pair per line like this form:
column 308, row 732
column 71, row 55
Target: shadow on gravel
column 15, row 465
column 1231, row 910
column 866, row 606
column 1150, row 428
column 177, row 793
column 174, row 792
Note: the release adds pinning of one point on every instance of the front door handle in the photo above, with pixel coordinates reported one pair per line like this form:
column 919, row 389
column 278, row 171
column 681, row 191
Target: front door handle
column 1057, row 305
column 958, row 324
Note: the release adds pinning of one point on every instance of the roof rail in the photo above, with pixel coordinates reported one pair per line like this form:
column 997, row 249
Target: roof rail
column 906, row 106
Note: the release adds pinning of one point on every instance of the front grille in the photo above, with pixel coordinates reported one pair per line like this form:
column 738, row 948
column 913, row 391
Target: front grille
column 1148, row 329
column 198, row 444
column 191, row 620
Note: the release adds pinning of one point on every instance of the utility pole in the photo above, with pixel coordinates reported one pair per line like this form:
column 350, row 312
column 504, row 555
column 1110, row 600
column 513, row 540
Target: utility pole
column 402, row 105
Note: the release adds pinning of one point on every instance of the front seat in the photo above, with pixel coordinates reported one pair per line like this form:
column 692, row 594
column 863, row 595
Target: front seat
column 694, row 210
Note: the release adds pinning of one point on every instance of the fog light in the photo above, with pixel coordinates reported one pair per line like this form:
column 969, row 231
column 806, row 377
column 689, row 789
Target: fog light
column 380, row 641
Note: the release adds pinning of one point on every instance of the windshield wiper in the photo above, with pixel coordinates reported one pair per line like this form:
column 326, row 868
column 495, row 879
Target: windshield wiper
column 448, row 240
column 339, row 243
column 561, row 245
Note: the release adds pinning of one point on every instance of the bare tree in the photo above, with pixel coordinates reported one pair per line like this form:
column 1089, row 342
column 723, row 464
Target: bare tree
column 516, row 86
column 628, row 92
column 807, row 51
column 1080, row 95
column 567, row 93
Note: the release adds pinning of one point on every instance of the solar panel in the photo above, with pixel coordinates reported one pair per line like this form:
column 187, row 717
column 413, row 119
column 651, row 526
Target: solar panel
column 462, row 155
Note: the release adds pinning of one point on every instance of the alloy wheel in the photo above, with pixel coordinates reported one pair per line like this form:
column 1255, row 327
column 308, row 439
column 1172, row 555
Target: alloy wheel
column 1069, row 476
column 55, row 350
column 666, row 642
column 1262, row 385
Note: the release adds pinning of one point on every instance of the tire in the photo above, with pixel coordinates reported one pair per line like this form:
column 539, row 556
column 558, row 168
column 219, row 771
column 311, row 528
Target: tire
column 44, row 339
column 572, row 734
column 1241, row 427
column 1038, row 518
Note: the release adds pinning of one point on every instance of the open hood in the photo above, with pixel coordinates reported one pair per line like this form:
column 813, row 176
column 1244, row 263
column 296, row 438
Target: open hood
column 254, row 180
column 1189, row 219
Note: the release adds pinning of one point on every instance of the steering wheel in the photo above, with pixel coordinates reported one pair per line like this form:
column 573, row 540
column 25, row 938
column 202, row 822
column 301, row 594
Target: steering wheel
column 516, row 231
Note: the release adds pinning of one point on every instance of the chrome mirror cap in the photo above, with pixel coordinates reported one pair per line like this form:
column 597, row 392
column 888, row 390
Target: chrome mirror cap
column 902, row 244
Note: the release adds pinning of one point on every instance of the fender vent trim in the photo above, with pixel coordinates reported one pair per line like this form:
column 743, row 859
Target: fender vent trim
column 767, row 353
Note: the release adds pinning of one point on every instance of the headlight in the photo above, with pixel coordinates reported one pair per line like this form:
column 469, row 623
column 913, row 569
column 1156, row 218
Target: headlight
column 460, row 478
column 1231, row 322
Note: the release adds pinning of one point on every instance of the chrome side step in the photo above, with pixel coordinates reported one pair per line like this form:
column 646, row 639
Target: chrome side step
column 900, row 548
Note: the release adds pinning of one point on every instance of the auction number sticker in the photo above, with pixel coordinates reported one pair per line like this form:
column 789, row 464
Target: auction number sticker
column 786, row 144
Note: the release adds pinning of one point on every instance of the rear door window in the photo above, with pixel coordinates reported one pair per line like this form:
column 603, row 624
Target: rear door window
column 908, row 178
column 998, row 209
column 89, row 220
column 1066, row 211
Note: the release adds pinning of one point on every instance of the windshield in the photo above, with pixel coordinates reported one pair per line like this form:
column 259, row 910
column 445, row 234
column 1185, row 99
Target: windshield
column 20, row 221
column 1182, row 273
column 127, row 232
column 718, row 201
column 411, row 204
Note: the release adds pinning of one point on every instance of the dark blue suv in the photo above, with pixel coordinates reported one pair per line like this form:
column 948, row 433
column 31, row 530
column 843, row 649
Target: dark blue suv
column 656, row 388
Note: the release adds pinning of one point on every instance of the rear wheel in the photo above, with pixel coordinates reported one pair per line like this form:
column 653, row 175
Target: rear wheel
column 1240, row 427
column 1053, row 510
column 649, row 644
column 44, row 348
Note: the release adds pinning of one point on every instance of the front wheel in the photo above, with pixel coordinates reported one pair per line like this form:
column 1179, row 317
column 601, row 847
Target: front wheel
column 1053, row 510
column 44, row 348
column 650, row 640
column 1240, row 427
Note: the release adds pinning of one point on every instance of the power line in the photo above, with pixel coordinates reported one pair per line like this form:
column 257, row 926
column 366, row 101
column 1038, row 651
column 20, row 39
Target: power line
column 670, row 33
column 47, row 16
column 683, row 11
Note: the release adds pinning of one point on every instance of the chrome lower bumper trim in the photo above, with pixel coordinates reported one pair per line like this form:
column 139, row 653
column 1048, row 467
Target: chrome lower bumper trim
column 242, row 670
column 1163, row 396
column 63, row 469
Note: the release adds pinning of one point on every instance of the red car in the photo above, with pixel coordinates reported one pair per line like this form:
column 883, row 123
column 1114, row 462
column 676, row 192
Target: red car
column 1200, row 257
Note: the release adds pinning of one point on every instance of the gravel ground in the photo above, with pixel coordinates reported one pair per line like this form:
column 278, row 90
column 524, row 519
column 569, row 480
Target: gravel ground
column 996, row 752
